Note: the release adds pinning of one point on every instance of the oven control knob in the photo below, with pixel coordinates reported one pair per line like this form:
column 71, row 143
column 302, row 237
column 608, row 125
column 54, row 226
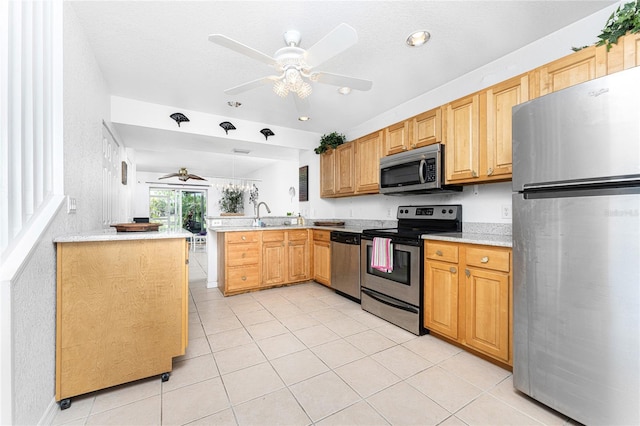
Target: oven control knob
column 444, row 211
column 450, row 211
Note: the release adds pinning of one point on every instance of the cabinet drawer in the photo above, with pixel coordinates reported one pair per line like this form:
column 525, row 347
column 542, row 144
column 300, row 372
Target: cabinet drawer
column 484, row 257
column 271, row 236
column 244, row 277
column 441, row 251
column 242, row 237
column 301, row 234
column 321, row 235
column 243, row 254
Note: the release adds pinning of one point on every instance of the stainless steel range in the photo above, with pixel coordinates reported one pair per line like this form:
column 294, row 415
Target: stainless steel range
column 396, row 294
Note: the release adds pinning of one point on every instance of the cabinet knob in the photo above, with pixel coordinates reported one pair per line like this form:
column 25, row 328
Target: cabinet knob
column 439, row 252
column 453, row 270
column 467, row 272
column 474, row 174
column 244, row 237
column 485, row 259
column 244, row 255
column 244, row 278
column 490, row 171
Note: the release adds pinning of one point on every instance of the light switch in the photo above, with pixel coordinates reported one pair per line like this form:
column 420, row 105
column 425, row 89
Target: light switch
column 71, row 205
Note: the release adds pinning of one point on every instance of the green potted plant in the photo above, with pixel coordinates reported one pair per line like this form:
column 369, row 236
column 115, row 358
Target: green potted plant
column 625, row 19
column 232, row 202
column 330, row 141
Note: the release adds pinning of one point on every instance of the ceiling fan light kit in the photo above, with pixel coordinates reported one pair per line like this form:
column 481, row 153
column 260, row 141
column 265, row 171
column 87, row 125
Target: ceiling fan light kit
column 182, row 175
column 294, row 64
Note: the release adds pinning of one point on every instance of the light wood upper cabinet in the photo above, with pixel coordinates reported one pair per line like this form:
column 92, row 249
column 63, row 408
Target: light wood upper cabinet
column 495, row 159
column 581, row 66
column 463, row 139
column 397, row 137
column 368, row 150
column 624, row 54
column 427, row 128
column 327, row 173
column 344, row 169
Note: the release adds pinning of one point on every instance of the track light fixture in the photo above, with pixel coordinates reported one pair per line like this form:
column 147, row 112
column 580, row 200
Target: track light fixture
column 227, row 126
column 267, row 132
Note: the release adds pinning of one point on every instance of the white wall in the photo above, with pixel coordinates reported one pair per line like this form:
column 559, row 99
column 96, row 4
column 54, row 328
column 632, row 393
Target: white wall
column 483, row 204
column 34, row 289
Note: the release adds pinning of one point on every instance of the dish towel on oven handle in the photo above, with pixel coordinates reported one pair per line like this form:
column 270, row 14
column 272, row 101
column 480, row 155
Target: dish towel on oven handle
column 382, row 254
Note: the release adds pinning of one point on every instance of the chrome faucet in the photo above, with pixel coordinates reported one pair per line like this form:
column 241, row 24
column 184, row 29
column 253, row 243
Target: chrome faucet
column 258, row 221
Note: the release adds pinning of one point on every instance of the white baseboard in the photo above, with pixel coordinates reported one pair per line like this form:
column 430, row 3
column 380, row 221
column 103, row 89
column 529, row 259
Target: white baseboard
column 49, row 414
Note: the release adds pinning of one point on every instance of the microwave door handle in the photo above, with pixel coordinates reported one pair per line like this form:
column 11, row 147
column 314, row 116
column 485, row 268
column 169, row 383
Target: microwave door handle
column 422, row 170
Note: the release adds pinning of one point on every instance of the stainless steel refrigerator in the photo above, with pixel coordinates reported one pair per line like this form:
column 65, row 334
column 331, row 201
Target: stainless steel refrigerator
column 576, row 249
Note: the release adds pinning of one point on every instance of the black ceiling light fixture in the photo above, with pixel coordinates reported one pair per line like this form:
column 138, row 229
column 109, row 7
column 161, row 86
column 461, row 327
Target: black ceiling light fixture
column 179, row 117
column 267, row 132
column 227, row 126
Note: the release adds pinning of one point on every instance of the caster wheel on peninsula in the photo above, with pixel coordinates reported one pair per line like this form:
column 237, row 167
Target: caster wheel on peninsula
column 65, row 403
column 165, row 377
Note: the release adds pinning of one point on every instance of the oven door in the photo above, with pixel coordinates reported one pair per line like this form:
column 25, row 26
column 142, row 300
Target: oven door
column 403, row 283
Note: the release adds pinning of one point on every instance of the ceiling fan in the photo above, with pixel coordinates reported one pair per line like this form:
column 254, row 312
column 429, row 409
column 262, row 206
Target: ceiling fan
column 182, row 175
column 295, row 65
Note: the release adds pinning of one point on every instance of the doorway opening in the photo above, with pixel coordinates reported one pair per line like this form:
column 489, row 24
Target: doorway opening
column 178, row 208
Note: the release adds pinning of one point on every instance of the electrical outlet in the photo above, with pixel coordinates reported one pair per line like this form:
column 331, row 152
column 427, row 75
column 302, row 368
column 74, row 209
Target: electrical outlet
column 388, row 212
column 506, row 211
column 216, row 223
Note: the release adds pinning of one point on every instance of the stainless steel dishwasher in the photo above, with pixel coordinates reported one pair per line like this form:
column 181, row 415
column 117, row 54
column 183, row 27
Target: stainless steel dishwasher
column 345, row 263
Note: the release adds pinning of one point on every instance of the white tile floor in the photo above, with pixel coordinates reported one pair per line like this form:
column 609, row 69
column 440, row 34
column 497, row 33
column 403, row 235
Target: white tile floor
column 303, row 355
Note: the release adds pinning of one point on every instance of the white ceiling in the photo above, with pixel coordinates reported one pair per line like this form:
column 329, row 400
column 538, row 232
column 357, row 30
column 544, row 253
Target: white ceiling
column 158, row 52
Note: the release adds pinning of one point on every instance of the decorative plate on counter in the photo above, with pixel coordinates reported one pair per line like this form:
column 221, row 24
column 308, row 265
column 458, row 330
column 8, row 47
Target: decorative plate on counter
column 136, row 227
column 328, row 223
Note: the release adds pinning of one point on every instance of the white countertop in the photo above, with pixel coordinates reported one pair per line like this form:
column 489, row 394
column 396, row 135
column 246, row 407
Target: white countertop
column 472, row 238
column 112, row 235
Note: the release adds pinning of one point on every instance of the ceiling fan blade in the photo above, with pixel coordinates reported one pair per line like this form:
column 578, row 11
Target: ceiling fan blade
column 302, row 105
column 169, row 175
column 242, row 49
column 342, row 81
column 251, row 85
column 190, row 176
column 337, row 41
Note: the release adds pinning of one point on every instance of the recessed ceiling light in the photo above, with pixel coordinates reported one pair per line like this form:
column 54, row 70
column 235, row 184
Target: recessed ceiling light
column 418, row 38
column 344, row 90
column 234, row 104
column 304, row 118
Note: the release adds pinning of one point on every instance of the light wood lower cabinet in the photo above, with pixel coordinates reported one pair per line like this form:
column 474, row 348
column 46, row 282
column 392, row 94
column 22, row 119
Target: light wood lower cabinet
column 322, row 256
column 260, row 259
column 468, row 296
column 122, row 311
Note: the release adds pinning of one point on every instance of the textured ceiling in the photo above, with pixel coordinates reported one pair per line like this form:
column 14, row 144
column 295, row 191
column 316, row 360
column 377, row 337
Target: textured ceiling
column 158, row 51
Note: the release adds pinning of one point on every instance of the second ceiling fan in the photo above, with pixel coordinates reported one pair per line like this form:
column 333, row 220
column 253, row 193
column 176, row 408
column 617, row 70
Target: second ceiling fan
column 295, row 65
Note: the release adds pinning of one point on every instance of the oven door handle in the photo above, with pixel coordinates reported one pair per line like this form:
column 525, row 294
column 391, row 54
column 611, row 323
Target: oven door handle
column 422, row 170
column 390, row 302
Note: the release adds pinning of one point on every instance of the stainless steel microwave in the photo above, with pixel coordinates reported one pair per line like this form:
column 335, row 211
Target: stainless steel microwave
column 419, row 171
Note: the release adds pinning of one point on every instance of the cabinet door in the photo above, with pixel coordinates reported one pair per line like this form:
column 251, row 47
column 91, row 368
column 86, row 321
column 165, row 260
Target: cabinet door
column 273, row 263
column 487, row 312
column 624, row 54
column 441, row 298
column 463, row 139
column 496, row 159
column 345, row 182
column 397, row 138
column 327, row 173
column 427, row 128
column 581, row 66
column 367, row 154
column 298, row 260
column 322, row 262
